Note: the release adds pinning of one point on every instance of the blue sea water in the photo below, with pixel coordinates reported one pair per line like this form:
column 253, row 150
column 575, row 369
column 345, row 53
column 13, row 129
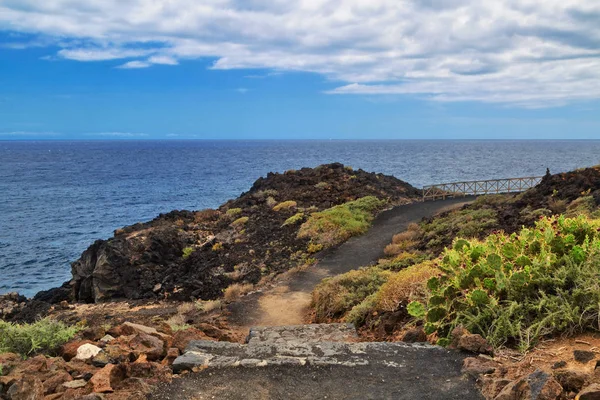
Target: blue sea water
column 57, row 197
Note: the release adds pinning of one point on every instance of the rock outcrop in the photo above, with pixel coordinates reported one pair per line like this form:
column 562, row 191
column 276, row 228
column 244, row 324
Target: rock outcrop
column 185, row 254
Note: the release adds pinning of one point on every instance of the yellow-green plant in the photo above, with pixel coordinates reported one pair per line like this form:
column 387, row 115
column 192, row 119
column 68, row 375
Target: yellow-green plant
column 187, row 251
column 334, row 297
column 43, row 336
column 515, row 289
column 232, row 212
column 285, row 205
column 240, row 221
column 294, row 219
column 337, row 224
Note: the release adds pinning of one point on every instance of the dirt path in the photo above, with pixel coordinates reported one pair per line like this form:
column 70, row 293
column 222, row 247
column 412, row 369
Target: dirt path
column 287, row 302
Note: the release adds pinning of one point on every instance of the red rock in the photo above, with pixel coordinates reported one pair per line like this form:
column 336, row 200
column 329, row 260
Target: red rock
column 172, row 354
column 101, row 381
column 53, row 396
column 591, row 392
column 151, row 346
column 54, row 383
column 34, row 364
column 476, row 366
column 129, row 328
column 94, row 333
column 28, row 388
column 536, row 386
column 149, row 371
column 7, row 360
column 7, row 380
column 415, row 335
column 133, row 385
column 69, row 350
column 76, row 394
column 79, row 368
column 571, row 381
column 474, row 343
column 215, row 333
column 182, row 338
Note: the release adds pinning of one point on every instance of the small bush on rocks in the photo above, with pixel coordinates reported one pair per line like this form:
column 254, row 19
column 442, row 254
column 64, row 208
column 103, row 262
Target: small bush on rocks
column 187, row 252
column 405, row 286
column 294, row 219
column 240, row 221
column 336, row 296
column 232, row 212
column 285, row 205
column 515, row 289
column 43, row 336
column 337, row 224
column 235, row 291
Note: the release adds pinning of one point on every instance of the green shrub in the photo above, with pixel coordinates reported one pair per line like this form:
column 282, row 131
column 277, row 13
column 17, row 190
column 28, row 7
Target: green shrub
column 467, row 223
column 294, row 219
column 323, row 185
column 334, row 297
column 187, row 252
column 359, row 313
column 337, row 224
column 285, row 205
column 240, row 221
column 43, row 336
column 403, row 260
column 515, row 289
column 405, row 286
column 232, row 212
column 582, row 206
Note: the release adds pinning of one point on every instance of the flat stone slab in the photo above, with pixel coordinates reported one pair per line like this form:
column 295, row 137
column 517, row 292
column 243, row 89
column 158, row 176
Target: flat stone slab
column 304, row 363
column 318, row 345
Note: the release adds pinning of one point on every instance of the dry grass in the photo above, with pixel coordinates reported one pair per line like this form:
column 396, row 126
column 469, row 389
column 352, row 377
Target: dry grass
column 271, row 202
column 285, row 205
column 237, row 290
column 208, row 306
column 206, row 215
column 405, row 286
column 178, row 322
column 403, row 242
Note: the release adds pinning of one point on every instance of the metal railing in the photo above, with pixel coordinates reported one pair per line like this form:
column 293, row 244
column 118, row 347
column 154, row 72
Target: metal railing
column 475, row 188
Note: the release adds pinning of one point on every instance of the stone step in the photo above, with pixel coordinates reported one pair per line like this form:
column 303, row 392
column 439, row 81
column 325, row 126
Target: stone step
column 318, row 345
column 306, row 333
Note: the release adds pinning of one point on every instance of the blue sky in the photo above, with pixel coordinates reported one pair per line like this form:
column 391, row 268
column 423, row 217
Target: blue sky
column 314, row 69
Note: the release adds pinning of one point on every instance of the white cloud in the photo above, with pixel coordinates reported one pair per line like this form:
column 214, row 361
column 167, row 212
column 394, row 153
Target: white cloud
column 242, row 90
column 163, row 60
column 99, row 54
column 531, row 53
column 134, row 65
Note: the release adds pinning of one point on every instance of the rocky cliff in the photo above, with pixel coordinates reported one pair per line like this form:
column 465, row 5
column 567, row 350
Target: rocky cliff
column 187, row 254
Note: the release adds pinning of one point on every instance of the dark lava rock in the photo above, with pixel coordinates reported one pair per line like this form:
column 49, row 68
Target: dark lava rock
column 146, row 260
column 559, row 364
column 591, row 392
column 17, row 308
column 415, row 335
column 583, row 356
column 536, row 386
column 570, row 380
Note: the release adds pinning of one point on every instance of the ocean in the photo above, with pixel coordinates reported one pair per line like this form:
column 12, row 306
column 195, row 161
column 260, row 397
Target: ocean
column 58, row 197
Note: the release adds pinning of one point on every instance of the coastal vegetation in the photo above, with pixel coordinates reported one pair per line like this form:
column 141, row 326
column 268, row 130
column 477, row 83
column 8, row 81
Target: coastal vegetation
column 513, row 268
column 43, row 336
column 337, row 224
column 515, row 289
